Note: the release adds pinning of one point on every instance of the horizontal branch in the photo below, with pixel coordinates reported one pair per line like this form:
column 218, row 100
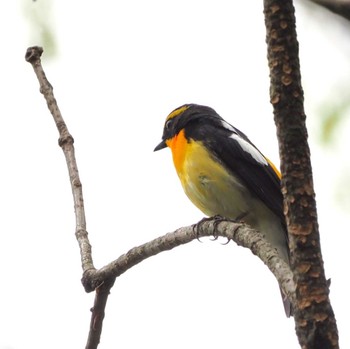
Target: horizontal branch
column 240, row 233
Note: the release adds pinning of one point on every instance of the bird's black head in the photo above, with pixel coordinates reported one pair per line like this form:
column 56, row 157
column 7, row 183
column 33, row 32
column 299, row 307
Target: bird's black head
column 185, row 116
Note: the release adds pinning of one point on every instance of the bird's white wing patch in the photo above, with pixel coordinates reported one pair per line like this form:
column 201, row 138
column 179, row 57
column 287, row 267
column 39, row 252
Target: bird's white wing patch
column 227, row 126
column 247, row 147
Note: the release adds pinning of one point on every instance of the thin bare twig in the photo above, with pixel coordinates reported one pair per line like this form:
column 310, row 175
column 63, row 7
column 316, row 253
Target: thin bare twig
column 65, row 141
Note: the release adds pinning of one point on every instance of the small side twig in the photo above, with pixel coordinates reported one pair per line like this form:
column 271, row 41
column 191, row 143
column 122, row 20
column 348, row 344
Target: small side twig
column 340, row 7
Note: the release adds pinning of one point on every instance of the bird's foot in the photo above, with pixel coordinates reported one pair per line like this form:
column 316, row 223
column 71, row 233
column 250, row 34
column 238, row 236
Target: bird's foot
column 216, row 220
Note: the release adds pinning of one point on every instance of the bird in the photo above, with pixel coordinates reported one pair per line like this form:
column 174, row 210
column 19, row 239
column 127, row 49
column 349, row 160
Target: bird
column 224, row 174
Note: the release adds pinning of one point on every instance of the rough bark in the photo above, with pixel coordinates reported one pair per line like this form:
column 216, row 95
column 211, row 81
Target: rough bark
column 314, row 317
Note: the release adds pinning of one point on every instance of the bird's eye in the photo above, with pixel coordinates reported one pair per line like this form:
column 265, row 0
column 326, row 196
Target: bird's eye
column 168, row 124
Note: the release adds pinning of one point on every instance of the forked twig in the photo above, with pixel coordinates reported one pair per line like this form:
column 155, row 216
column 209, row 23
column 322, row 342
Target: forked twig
column 33, row 56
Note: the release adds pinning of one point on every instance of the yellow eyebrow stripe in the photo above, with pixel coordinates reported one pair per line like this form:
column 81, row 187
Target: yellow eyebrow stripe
column 177, row 112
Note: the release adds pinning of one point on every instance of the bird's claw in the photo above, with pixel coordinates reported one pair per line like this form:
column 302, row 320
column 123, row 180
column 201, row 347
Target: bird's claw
column 216, row 221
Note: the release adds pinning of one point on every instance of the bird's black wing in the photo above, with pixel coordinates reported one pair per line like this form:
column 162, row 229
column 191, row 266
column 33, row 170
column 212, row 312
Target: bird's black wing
column 235, row 151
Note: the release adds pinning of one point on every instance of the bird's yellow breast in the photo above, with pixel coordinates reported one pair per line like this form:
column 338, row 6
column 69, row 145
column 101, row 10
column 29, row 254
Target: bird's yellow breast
column 206, row 182
column 216, row 191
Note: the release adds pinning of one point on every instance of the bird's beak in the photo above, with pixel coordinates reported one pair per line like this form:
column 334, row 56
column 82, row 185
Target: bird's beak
column 161, row 145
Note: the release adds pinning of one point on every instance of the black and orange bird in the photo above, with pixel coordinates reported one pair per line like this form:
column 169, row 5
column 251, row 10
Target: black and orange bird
column 223, row 173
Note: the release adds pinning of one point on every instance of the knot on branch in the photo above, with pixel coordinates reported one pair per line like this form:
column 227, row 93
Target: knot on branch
column 65, row 140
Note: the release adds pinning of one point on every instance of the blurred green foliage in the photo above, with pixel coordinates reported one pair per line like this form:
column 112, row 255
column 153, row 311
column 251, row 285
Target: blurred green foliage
column 332, row 117
column 39, row 15
column 333, row 134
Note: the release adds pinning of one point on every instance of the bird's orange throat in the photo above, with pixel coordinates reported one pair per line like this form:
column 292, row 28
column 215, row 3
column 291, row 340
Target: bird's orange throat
column 178, row 145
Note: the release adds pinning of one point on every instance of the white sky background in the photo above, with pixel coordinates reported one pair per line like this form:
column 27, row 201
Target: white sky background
column 121, row 68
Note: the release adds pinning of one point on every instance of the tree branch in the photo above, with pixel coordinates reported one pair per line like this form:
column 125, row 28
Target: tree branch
column 65, row 141
column 315, row 322
column 98, row 314
column 240, row 233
